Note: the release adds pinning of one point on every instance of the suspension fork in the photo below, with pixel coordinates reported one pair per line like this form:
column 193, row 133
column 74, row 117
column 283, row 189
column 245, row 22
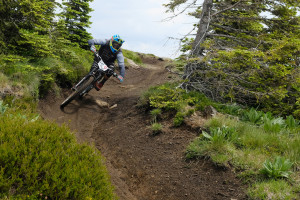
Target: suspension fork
column 91, row 86
column 83, row 79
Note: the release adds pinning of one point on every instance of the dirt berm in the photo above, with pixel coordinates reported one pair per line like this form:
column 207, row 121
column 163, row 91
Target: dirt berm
column 142, row 167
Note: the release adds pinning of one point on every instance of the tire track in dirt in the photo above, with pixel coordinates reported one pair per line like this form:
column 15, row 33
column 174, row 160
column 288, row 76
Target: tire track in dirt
column 142, row 167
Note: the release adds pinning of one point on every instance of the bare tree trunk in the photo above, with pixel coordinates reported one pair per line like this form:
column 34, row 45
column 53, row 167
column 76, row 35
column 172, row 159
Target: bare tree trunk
column 203, row 27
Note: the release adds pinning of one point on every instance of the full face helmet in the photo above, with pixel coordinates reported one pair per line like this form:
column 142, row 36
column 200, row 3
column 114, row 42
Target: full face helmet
column 115, row 43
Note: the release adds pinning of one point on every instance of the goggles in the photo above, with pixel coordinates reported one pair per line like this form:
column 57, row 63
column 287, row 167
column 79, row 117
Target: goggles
column 116, row 45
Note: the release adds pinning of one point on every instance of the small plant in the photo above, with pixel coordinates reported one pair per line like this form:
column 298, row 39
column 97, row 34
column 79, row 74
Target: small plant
column 291, row 122
column 266, row 116
column 273, row 125
column 280, row 168
column 219, row 134
column 233, row 109
column 155, row 113
column 253, row 116
column 2, row 107
column 156, row 128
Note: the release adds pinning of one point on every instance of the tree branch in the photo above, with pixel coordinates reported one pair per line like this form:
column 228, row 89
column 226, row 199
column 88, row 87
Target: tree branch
column 182, row 11
column 228, row 28
column 226, row 9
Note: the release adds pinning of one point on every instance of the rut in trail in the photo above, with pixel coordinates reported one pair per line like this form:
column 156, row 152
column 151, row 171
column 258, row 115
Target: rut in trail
column 142, row 167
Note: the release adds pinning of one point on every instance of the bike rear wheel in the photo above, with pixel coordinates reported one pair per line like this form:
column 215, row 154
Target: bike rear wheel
column 77, row 92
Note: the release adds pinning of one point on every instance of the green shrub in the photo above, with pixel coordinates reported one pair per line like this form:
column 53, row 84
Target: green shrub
column 39, row 157
column 279, row 168
column 178, row 119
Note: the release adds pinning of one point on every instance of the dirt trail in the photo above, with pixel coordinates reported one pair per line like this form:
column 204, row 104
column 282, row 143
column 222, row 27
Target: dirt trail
column 142, row 167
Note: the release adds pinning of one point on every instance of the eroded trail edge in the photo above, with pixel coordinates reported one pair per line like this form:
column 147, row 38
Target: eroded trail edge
column 142, row 167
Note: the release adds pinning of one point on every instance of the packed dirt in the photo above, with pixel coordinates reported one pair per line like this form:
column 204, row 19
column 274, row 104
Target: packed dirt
column 142, row 166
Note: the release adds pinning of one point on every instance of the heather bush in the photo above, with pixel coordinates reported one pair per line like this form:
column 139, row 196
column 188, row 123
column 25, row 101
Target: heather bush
column 40, row 157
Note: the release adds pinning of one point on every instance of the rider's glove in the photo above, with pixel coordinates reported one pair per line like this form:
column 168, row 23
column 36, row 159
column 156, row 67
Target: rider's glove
column 120, row 78
column 93, row 49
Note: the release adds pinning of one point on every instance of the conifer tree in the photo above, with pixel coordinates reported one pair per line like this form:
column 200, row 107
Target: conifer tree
column 20, row 18
column 76, row 16
column 247, row 51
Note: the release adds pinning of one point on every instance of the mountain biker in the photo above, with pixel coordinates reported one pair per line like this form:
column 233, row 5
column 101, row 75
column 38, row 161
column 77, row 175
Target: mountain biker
column 109, row 51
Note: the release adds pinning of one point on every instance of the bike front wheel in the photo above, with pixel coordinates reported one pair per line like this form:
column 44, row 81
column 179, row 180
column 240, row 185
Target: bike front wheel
column 77, row 92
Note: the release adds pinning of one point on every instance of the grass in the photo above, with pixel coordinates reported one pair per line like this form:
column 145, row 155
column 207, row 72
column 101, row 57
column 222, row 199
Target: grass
column 272, row 189
column 3, row 80
column 252, row 151
column 132, row 56
column 34, row 77
column 263, row 149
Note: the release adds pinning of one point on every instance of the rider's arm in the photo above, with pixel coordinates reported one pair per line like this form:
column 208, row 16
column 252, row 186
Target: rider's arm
column 121, row 63
column 96, row 42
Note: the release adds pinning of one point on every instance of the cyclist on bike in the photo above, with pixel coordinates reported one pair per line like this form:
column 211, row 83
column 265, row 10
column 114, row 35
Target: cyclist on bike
column 109, row 51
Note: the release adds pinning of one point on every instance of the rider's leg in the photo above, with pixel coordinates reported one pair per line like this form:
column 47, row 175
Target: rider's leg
column 99, row 84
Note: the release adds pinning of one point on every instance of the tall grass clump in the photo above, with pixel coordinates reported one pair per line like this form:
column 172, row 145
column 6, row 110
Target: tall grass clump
column 39, row 157
column 214, row 144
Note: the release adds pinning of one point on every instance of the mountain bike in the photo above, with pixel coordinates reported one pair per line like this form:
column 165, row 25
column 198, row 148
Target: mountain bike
column 87, row 83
